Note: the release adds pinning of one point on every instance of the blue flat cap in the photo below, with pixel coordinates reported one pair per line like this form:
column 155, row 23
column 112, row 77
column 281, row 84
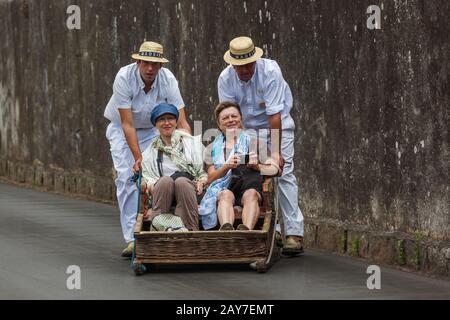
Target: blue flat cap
column 163, row 108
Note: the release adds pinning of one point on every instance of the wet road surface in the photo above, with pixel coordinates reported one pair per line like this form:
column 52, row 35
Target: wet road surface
column 42, row 234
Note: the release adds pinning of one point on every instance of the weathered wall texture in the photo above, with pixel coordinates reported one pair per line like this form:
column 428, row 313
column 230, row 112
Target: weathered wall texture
column 371, row 106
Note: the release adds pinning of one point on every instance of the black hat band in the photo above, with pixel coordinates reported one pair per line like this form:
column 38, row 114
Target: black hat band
column 150, row 54
column 243, row 56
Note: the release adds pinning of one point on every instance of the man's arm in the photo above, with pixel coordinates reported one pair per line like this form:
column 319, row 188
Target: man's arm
column 225, row 90
column 274, row 96
column 130, row 134
column 174, row 97
column 182, row 121
column 275, row 138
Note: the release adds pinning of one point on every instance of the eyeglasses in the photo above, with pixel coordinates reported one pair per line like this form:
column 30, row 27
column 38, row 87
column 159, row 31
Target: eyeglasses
column 166, row 119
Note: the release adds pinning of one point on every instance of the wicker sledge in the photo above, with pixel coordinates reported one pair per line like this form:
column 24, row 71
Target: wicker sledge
column 254, row 247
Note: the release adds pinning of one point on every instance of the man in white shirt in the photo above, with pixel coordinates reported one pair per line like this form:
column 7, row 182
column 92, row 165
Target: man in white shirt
column 138, row 88
column 265, row 98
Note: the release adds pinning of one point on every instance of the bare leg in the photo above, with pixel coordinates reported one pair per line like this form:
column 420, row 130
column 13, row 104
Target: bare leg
column 250, row 211
column 225, row 210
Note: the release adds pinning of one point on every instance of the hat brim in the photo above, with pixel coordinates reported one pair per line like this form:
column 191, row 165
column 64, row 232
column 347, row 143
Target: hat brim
column 151, row 59
column 239, row 62
column 176, row 115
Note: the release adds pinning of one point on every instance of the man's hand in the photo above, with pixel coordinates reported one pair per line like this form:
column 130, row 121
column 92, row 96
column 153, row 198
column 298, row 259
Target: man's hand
column 281, row 162
column 137, row 165
column 279, row 158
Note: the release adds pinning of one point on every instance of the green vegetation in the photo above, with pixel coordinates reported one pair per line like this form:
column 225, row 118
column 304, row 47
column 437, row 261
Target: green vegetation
column 401, row 252
column 355, row 246
column 343, row 241
column 417, row 248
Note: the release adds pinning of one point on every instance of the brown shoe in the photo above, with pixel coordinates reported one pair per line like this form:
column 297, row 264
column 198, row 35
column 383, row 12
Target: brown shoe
column 278, row 239
column 293, row 245
column 128, row 251
column 226, row 227
column 242, row 227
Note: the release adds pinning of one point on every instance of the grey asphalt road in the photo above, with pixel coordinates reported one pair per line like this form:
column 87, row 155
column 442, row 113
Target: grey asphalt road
column 42, row 234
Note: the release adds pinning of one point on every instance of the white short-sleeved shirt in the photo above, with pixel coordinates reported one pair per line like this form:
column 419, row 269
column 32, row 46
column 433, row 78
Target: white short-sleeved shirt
column 267, row 93
column 128, row 93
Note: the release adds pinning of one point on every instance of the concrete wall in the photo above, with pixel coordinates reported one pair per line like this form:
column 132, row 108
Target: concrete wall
column 371, row 106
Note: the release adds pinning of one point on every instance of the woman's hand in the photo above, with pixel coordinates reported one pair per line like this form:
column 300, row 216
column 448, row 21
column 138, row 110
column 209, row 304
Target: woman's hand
column 144, row 187
column 147, row 213
column 253, row 161
column 232, row 163
column 147, row 187
column 199, row 187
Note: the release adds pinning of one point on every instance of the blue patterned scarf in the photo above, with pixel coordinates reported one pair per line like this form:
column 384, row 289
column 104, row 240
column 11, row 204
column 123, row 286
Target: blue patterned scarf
column 208, row 205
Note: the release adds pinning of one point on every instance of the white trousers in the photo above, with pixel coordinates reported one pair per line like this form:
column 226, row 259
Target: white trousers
column 287, row 183
column 123, row 160
column 288, row 189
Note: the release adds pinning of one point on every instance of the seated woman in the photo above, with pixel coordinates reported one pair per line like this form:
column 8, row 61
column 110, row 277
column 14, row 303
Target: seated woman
column 172, row 168
column 232, row 180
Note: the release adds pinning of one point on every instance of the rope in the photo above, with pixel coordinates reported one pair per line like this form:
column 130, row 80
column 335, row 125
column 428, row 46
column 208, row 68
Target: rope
column 277, row 208
column 139, row 174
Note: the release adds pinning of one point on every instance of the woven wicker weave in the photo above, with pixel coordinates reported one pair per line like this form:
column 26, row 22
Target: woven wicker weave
column 193, row 247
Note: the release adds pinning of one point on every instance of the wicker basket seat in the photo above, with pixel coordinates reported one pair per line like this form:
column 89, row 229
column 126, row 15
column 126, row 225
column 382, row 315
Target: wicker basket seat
column 199, row 247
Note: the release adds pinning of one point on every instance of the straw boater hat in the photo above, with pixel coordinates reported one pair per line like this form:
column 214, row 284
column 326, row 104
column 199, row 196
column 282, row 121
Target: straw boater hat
column 150, row 51
column 242, row 51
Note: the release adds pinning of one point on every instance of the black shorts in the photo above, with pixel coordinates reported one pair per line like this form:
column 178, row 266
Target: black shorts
column 243, row 179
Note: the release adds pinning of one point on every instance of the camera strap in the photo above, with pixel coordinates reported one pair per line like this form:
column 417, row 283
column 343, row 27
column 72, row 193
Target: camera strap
column 159, row 161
